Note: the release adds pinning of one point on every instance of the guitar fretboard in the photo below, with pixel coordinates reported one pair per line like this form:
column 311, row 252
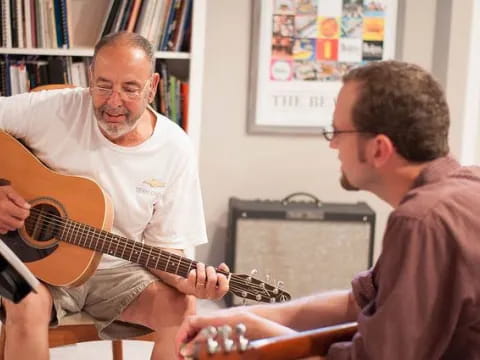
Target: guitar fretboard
column 107, row 243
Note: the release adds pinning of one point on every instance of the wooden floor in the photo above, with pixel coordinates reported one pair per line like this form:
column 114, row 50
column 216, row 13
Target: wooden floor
column 102, row 350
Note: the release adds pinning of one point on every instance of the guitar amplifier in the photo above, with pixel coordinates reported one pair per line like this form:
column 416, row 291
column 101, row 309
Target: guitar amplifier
column 309, row 246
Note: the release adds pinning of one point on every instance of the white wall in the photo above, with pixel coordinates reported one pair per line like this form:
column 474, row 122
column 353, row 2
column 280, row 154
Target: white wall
column 233, row 163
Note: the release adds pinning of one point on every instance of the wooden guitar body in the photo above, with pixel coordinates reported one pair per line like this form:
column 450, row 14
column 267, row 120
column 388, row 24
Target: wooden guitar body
column 78, row 198
column 67, row 230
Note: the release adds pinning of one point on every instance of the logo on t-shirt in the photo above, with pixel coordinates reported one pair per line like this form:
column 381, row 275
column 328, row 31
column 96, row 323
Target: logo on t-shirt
column 154, row 183
column 151, row 187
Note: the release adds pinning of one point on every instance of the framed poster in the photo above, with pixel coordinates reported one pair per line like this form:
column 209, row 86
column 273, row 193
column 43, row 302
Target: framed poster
column 300, row 51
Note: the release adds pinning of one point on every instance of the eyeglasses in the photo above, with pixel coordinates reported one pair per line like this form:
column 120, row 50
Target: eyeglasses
column 125, row 94
column 329, row 132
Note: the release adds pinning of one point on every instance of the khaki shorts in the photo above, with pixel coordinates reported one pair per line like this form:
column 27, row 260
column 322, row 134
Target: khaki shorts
column 104, row 297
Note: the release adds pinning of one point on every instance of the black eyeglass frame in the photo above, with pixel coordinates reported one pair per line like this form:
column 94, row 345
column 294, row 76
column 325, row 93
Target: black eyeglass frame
column 330, row 134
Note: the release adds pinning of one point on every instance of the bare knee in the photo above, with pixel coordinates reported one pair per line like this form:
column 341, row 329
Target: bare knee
column 34, row 310
column 160, row 305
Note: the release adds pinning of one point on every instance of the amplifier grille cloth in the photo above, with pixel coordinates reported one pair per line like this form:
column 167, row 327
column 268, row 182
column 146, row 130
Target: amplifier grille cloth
column 308, row 256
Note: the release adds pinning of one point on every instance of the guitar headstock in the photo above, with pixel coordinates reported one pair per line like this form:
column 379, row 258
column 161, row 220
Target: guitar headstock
column 224, row 344
column 248, row 287
column 219, row 343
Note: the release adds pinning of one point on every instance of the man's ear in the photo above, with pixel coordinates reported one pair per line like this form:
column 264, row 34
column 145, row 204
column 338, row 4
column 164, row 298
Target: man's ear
column 153, row 87
column 382, row 150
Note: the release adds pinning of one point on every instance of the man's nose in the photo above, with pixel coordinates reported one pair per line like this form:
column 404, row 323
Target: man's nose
column 333, row 143
column 115, row 99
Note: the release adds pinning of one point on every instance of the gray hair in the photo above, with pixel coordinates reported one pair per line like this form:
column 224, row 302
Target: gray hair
column 131, row 39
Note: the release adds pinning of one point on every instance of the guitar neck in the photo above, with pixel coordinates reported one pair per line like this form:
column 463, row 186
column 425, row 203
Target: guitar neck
column 104, row 242
column 288, row 347
column 304, row 344
column 107, row 243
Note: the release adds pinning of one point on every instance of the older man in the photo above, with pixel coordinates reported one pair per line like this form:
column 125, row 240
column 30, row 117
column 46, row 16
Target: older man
column 110, row 134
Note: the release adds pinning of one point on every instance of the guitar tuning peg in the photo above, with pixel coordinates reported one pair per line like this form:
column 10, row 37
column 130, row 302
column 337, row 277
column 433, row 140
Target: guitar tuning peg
column 267, row 278
column 210, row 332
column 212, row 345
column 252, row 273
column 278, row 286
column 225, row 331
column 227, row 343
column 244, row 301
column 241, row 329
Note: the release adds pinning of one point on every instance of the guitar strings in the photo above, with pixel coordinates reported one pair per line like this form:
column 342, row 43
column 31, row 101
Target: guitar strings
column 133, row 245
column 60, row 222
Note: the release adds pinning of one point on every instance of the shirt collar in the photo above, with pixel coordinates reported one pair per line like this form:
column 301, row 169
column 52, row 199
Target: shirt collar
column 436, row 170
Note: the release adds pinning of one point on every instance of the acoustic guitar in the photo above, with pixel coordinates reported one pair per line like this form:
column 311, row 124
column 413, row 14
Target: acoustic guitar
column 68, row 229
column 221, row 346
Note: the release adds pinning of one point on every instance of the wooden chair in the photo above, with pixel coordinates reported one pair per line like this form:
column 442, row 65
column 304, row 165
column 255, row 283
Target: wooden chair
column 52, row 87
column 75, row 329
column 78, row 327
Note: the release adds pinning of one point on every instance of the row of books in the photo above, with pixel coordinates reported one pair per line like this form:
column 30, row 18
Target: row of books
column 81, row 23
column 22, row 73
column 19, row 74
column 34, row 23
column 172, row 96
column 166, row 23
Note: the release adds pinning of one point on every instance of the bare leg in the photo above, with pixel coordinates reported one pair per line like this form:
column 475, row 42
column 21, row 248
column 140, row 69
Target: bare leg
column 26, row 326
column 162, row 308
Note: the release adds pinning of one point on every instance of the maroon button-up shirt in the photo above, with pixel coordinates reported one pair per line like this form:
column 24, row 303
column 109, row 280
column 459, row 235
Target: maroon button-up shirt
column 421, row 300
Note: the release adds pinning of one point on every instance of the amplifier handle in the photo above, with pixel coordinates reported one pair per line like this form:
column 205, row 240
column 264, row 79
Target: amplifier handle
column 289, row 198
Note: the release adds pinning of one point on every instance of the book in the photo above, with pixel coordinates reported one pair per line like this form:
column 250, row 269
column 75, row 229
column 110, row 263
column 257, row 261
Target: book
column 110, row 15
column 20, row 22
column 28, row 24
column 64, row 23
column 184, row 104
column 125, row 16
column 16, row 280
column 57, row 16
column 134, row 15
column 182, row 26
column 14, row 22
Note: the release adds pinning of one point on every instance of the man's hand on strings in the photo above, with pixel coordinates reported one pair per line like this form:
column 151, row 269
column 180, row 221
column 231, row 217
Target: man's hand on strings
column 13, row 208
column 206, row 282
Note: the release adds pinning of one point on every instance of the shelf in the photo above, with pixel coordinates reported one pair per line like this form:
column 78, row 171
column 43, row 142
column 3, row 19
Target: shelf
column 83, row 52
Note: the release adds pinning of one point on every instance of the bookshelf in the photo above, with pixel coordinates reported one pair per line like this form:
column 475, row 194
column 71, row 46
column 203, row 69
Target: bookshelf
column 82, row 52
column 185, row 65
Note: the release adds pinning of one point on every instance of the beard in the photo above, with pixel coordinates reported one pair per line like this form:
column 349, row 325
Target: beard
column 115, row 130
column 362, row 158
column 346, row 184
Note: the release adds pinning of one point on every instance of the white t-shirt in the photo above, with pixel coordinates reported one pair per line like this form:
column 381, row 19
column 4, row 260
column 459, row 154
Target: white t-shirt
column 154, row 187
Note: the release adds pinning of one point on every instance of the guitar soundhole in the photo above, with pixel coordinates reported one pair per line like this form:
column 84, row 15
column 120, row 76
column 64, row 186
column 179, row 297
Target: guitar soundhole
column 44, row 222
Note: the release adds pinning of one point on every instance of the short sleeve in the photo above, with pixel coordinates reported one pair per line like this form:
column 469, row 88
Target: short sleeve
column 178, row 220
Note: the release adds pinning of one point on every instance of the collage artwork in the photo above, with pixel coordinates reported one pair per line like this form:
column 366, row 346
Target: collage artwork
column 320, row 40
